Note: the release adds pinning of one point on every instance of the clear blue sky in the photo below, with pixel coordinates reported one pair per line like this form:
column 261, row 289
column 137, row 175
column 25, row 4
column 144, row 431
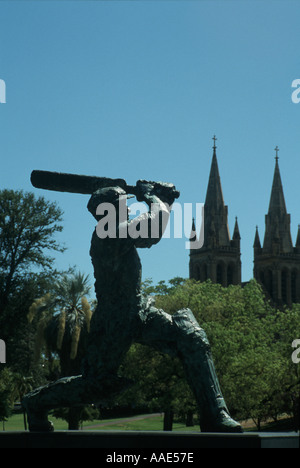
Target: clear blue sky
column 137, row 89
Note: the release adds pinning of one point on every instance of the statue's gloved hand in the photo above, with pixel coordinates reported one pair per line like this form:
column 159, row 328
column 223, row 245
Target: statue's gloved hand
column 144, row 188
column 164, row 191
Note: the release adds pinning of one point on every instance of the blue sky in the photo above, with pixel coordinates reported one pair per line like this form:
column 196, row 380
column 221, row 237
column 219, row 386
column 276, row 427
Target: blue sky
column 137, row 89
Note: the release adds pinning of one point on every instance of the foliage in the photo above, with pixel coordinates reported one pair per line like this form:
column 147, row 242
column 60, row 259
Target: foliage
column 76, row 416
column 251, row 346
column 60, row 317
column 158, row 383
column 6, row 386
column 62, row 321
column 28, row 227
column 162, row 287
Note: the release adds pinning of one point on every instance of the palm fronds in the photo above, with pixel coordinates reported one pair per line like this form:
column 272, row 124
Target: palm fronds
column 63, row 313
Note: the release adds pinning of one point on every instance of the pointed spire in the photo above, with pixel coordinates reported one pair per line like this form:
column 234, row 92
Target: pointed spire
column 214, row 195
column 216, row 244
column 277, row 201
column 278, row 229
column 236, row 238
column 257, row 243
column 236, row 232
column 216, row 229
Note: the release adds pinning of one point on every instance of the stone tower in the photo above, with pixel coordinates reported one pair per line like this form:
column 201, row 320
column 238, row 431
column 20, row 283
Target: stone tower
column 277, row 262
column 219, row 259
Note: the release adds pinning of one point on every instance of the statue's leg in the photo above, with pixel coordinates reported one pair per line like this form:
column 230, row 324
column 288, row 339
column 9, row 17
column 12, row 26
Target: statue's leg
column 63, row 392
column 180, row 335
column 69, row 392
column 109, row 340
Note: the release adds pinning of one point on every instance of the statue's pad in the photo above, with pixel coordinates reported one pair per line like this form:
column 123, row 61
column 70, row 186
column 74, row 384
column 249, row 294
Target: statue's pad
column 173, row 442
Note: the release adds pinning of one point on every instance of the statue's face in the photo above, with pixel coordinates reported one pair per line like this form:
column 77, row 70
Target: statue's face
column 112, row 197
column 112, row 201
column 122, row 210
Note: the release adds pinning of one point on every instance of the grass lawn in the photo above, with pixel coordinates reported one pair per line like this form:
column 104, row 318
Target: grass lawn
column 155, row 423
column 139, row 423
column 16, row 423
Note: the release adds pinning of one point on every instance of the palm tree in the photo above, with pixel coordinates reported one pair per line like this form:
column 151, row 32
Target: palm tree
column 63, row 324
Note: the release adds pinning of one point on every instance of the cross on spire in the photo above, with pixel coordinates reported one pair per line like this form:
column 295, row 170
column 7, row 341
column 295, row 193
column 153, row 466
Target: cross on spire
column 276, row 157
column 214, row 138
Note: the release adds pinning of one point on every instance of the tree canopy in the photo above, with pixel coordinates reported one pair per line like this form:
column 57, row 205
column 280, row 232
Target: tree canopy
column 251, row 344
column 28, row 226
column 28, row 229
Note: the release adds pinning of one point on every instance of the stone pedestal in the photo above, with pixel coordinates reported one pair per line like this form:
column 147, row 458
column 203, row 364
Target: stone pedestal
column 147, row 443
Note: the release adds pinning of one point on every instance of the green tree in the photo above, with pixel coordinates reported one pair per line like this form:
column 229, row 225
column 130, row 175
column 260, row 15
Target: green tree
column 28, row 226
column 251, row 347
column 162, row 287
column 21, row 339
column 62, row 319
column 13, row 386
column 6, row 400
column 158, row 384
column 287, row 329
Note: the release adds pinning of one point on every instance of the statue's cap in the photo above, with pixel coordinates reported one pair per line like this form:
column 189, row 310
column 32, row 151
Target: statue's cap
column 106, row 195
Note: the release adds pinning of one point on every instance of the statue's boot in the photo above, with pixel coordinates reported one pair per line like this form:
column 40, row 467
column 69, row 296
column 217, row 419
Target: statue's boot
column 195, row 350
column 37, row 419
column 223, row 423
column 39, row 423
column 214, row 414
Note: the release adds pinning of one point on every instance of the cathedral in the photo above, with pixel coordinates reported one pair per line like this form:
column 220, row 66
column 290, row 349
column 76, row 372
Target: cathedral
column 276, row 261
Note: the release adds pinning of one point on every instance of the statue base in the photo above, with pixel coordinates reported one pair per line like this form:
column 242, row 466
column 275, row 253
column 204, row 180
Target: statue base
column 147, row 443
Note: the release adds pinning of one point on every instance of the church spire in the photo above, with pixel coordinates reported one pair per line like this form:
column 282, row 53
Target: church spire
column 277, row 263
column 277, row 201
column 257, row 244
column 236, row 237
column 216, row 230
column 214, row 194
column 277, row 220
column 236, row 232
column 219, row 257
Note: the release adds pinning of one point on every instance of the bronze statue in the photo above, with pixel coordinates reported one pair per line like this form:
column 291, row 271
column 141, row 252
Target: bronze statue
column 123, row 315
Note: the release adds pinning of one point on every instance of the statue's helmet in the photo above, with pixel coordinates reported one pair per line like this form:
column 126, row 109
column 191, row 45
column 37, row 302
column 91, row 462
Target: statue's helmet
column 110, row 195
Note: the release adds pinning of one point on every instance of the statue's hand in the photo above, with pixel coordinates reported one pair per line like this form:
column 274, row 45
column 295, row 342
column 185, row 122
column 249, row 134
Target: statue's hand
column 164, row 191
column 144, row 189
